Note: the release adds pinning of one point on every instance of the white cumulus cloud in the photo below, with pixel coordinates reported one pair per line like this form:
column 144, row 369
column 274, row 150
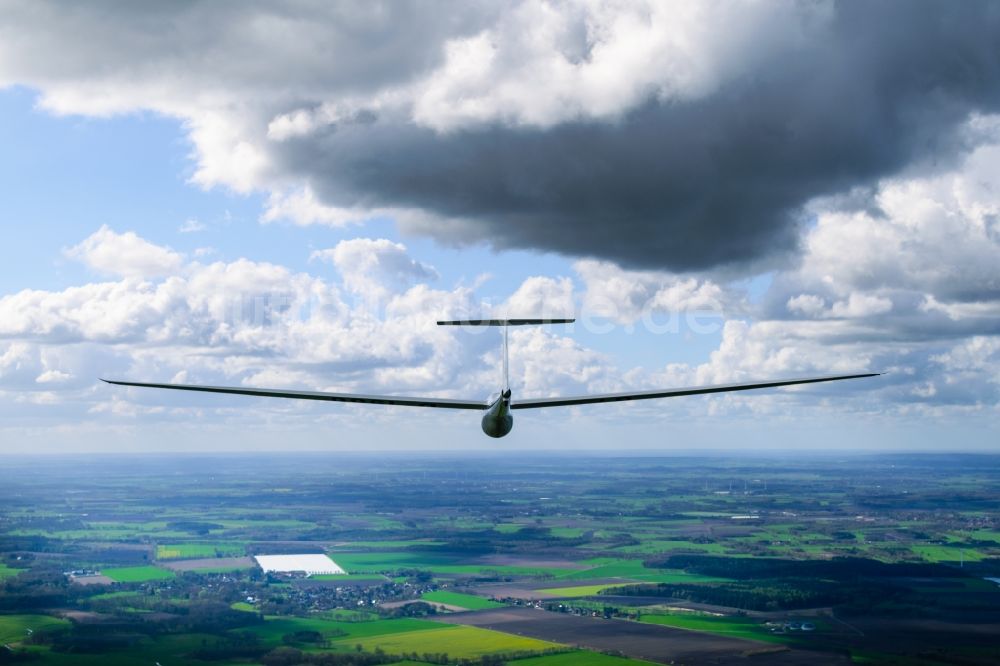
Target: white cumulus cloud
column 374, row 268
column 125, row 255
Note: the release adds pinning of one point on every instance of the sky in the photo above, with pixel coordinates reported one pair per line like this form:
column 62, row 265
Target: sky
column 290, row 195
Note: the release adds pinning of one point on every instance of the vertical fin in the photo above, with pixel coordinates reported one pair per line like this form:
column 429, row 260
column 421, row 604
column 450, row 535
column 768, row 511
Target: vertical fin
column 505, row 323
column 506, row 363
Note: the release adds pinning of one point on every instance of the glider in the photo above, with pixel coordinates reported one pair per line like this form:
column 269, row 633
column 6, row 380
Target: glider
column 497, row 420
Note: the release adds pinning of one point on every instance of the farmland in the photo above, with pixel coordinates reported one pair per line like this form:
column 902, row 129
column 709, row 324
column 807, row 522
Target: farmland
column 456, row 641
column 577, row 590
column 469, row 601
column 208, row 564
column 170, row 551
column 580, row 658
column 740, row 627
column 137, row 574
column 274, row 627
column 881, row 558
column 15, row 628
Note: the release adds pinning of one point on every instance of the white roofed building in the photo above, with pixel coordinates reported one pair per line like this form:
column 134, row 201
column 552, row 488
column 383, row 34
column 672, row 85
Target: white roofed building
column 311, row 564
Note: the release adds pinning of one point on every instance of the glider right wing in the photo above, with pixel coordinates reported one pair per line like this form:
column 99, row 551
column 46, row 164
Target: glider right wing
column 673, row 393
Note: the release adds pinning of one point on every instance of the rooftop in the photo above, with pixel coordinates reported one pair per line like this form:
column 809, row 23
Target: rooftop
column 308, row 563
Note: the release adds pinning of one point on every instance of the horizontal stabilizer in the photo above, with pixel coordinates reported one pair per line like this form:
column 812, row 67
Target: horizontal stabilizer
column 503, row 322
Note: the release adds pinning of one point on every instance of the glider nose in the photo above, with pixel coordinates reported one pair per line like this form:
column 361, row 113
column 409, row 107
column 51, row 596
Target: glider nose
column 497, row 420
column 497, row 426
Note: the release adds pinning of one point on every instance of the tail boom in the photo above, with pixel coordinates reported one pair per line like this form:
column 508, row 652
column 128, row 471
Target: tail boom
column 505, row 386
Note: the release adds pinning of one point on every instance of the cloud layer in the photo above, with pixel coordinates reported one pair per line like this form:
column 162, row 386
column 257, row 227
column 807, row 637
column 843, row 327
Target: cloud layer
column 848, row 149
column 658, row 135
column 260, row 324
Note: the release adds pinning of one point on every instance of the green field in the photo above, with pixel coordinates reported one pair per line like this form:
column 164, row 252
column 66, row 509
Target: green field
column 171, row 650
column 222, row 570
column 381, row 545
column 469, row 601
column 386, row 561
column 668, row 545
column 349, row 615
column 175, row 551
column 272, row 525
column 275, row 627
column 580, row 658
column 14, row 628
column 6, row 571
column 349, row 576
column 633, row 570
column 578, row 590
column 457, row 641
column 137, row 574
column 116, row 534
column 606, row 567
column 508, row 528
column 984, row 535
column 380, row 562
column 946, row 553
column 736, row 627
column 124, row 594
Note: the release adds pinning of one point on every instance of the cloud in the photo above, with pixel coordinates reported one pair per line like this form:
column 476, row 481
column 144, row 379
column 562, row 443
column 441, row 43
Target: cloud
column 810, row 305
column 903, row 278
column 544, row 364
column 628, row 296
column 861, row 305
column 849, row 149
column 51, row 376
column 257, row 323
column 717, row 176
column 16, row 363
column 374, row 268
column 968, row 356
column 191, row 226
column 126, row 255
column 655, row 135
column 301, row 207
column 542, row 297
column 920, row 261
column 542, row 64
column 243, row 321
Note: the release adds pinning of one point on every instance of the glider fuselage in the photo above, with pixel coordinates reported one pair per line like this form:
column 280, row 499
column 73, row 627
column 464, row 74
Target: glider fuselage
column 497, row 421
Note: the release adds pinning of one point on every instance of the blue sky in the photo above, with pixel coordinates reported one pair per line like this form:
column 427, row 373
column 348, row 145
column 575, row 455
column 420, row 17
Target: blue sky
column 298, row 218
column 131, row 172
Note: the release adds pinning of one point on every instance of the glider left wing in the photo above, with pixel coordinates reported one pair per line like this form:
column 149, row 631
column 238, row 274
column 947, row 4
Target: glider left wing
column 318, row 395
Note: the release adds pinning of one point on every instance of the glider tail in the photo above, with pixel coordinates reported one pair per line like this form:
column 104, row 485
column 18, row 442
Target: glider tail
column 504, row 323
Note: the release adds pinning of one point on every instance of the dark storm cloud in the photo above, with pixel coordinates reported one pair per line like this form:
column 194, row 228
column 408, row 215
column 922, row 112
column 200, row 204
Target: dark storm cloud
column 253, row 50
column 710, row 171
column 687, row 185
